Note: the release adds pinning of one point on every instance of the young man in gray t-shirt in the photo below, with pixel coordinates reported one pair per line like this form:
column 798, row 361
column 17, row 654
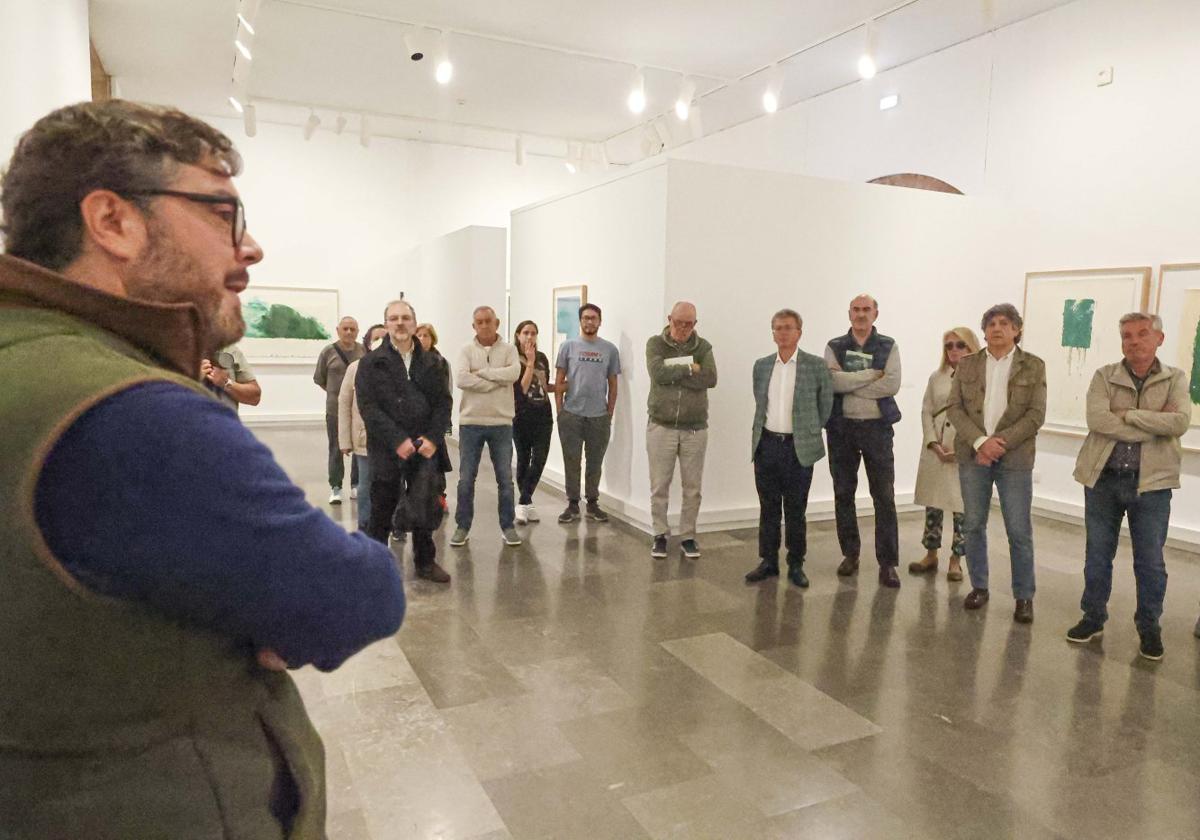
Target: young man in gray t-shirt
column 586, row 394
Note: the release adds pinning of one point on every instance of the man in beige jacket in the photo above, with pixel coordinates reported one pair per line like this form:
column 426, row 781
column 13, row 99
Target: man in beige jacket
column 1137, row 410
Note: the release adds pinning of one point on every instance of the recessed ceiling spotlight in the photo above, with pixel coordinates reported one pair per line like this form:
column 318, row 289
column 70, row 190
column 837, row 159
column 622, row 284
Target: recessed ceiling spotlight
column 866, row 62
column 445, row 67
column 237, row 106
column 637, row 93
column 770, row 102
column 245, row 23
column 889, row 102
column 683, row 102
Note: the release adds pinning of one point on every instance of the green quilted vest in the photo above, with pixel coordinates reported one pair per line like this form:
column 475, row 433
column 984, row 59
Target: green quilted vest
column 116, row 722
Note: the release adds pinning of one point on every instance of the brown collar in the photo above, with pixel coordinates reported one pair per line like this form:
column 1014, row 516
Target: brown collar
column 171, row 332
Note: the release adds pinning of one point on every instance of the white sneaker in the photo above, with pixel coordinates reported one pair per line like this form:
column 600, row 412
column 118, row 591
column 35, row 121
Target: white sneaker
column 354, row 492
column 335, row 497
column 522, row 517
column 531, row 514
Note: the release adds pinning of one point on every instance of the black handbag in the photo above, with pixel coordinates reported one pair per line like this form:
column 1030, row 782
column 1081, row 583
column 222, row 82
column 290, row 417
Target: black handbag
column 420, row 504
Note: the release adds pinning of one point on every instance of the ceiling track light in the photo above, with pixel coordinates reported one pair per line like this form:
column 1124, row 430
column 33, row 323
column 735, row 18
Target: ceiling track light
column 364, row 131
column 683, row 102
column 310, row 125
column 866, row 62
column 243, row 49
column 773, row 90
column 237, row 106
column 250, row 119
column 637, row 92
column 444, row 68
column 519, row 151
column 245, row 23
column 340, row 125
column 574, row 160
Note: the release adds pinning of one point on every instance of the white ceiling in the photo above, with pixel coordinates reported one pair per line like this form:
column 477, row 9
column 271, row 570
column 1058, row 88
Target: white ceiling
column 554, row 70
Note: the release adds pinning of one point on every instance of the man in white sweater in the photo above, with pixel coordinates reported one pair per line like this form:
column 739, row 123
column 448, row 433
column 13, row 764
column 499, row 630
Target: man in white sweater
column 485, row 371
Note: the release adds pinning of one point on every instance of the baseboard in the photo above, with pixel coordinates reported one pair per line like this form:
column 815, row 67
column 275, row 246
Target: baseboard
column 284, row 420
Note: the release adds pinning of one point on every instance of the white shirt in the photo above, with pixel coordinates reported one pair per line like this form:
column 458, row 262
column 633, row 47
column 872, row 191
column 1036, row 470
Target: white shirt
column 995, row 392
column 780, row 393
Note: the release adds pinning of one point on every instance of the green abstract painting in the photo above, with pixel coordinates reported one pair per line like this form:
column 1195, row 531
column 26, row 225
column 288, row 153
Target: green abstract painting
column 1077, row 323
column 1195, row 386
column 280, row 321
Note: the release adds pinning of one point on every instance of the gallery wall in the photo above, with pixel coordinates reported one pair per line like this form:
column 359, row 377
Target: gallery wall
column 1099, row 176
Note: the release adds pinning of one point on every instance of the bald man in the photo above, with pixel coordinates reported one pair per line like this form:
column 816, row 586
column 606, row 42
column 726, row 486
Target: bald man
column 331, row 370
column 682, row 369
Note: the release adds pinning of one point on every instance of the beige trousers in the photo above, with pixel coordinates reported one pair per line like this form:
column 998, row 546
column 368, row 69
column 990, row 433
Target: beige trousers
column 664, row 446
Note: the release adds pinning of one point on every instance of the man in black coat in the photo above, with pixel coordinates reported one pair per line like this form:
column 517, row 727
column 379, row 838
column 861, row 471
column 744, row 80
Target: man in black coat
column 405, row 402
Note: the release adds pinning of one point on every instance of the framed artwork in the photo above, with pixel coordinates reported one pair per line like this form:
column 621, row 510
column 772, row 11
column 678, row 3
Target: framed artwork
column 288, row 325
column 565, row 316
column 1071, row 323
column 1179, row 308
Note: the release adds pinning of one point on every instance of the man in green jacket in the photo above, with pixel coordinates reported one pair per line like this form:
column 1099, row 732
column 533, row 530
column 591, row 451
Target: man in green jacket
column 1137, row 410
column 682, row 369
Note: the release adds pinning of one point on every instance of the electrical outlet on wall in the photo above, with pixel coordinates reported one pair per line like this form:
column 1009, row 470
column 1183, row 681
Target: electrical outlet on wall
column 1104, row 77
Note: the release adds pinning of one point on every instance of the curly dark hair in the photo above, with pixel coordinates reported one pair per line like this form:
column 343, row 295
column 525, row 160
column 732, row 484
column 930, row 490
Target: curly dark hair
column 115, row 145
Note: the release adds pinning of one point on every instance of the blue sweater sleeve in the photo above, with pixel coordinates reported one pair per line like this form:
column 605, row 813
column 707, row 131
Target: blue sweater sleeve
column 160, row 495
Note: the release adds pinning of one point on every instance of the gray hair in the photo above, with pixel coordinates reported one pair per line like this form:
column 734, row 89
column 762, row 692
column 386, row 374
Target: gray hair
column 483, row 308
column 874, row 303
column 788, row 313
column 392, row 303
column 1008, row 311
column 1155, row 321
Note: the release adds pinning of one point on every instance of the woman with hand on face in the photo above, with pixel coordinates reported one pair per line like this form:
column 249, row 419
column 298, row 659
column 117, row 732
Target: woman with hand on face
column 937, row 473
column 533, row 421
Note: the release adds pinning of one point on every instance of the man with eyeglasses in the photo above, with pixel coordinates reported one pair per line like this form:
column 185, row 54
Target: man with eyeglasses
column 159, row 572
column 682, row 370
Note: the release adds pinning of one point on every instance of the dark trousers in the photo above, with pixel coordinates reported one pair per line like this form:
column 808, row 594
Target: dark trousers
column 1114, row 497
column 532, row 442
column 580, row 435
column 388, row 480
column 337, row 462
column 868, row 442
column 782, row 484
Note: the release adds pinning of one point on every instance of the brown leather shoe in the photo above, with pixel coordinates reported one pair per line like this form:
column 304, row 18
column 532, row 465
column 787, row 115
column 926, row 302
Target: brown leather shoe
column 925, row 564
column 976, row 599
column 955, row 572
column 1023, row 614
column 848, row 567
column 433, row 572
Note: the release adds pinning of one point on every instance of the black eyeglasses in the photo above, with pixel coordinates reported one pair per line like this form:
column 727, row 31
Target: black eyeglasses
column 238, row 225
column 955, row 345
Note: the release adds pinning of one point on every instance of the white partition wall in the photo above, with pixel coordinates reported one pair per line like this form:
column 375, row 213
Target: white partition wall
column 743, row 243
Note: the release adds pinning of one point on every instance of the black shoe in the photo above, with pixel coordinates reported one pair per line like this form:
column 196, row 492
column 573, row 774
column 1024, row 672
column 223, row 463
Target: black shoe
column 762, row 572
column 1151, row 647
column 1023, row 614
column 1085, row 631
column 975, row 599
column 571, row 513
column 432, row 571
column 848, row 567
column 888, row 577
column 594, row 512
column 659, row 549
column 796, row 575
column 690, row 549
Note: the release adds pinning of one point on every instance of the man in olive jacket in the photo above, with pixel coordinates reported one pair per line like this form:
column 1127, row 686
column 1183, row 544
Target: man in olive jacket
column 682, row 369
column 1137, row 410
column 159, row 572
column 997, row 404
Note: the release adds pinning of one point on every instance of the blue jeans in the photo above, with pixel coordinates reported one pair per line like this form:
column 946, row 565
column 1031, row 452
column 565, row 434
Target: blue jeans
column 364, row 490
column 499, row 442
column 1016, row 499
column 1104, row 506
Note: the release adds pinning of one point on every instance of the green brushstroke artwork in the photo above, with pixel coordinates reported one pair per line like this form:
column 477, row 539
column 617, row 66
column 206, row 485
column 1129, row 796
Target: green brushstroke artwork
column 1195, row 386
column 1077, row 323
column 279, row 321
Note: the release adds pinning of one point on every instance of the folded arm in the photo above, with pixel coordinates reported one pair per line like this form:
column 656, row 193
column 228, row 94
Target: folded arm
column 1167, row 423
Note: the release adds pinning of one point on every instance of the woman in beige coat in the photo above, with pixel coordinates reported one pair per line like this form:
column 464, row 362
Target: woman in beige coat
column 352, row 434
column 937, row 473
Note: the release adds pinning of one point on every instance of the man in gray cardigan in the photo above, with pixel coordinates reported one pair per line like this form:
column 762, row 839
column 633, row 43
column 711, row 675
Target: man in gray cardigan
column 793, row 398
column 682, row 369
column 1137, row 410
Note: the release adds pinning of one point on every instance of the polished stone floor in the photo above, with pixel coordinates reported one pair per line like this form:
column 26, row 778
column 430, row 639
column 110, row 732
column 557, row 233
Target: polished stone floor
column 576, row 688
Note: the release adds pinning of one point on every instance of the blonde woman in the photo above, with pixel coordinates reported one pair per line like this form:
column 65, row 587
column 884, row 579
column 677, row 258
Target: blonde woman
column 937, row 473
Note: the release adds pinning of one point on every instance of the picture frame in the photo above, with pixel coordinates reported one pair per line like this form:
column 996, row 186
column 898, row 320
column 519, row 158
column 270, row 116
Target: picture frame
column 288, row 325
column 564, row 316
column 1070, row 322
column 1177, row 303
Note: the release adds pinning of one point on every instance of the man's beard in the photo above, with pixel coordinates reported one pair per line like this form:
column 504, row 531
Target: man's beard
column 166, row 274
